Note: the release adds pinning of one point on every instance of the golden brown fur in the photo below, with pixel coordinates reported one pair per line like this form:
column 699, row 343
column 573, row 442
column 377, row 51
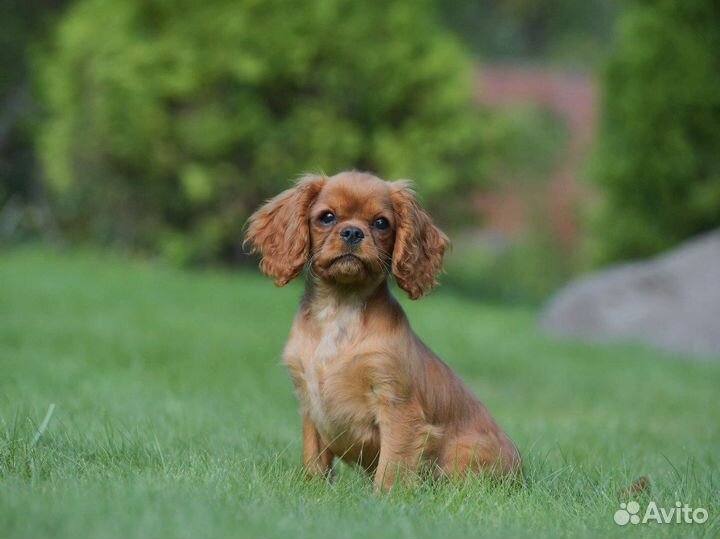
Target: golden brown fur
column 371, row 393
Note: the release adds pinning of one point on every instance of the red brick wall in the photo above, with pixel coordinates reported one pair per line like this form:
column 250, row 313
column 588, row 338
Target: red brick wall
column 573, row 97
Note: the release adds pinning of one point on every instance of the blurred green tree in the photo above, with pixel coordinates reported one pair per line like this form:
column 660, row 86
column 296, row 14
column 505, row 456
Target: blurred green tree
column 22, row 23
column 168, row 121
column 658, row 157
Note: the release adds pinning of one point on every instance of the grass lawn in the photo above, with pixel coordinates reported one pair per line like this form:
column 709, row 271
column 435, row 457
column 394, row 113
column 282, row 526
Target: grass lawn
column 174, row 418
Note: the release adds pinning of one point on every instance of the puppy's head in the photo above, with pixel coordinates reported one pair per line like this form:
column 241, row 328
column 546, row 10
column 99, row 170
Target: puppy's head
column 350, row 229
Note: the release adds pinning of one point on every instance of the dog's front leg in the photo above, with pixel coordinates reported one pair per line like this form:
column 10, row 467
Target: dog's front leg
column 317, row 457
column 401, row 444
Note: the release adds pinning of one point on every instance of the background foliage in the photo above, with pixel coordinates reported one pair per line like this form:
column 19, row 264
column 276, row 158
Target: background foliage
column 160, row 124
column 23, row 25
column 566, row 32
column 164, row 131
column 658, row 160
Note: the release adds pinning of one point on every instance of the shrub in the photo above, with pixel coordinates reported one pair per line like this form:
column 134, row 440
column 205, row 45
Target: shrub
column 658, row 159
column 168, row 121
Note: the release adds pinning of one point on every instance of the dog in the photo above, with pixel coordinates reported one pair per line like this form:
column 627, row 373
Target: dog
column 371, row 393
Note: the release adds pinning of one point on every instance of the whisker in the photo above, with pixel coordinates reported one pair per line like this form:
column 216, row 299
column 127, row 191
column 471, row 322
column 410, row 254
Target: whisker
column 309, row 266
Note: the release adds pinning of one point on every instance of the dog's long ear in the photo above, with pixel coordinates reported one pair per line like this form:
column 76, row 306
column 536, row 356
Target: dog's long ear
column 419, row 245
column 280, row 230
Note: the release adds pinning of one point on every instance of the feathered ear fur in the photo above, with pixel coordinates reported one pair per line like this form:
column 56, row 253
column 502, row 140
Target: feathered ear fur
column 419, row 245
column 280, row 230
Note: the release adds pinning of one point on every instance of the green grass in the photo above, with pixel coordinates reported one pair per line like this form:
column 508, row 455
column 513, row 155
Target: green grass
column 174, row 417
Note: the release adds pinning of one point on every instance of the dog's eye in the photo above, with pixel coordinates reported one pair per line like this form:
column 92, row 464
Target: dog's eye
column 381, row 223
column 327, row 218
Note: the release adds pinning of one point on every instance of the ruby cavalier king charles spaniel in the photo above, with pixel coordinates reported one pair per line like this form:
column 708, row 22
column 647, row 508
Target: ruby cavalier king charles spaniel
column 371, row 393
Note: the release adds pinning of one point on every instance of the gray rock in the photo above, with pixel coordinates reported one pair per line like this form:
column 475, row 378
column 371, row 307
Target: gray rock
column 671, row 302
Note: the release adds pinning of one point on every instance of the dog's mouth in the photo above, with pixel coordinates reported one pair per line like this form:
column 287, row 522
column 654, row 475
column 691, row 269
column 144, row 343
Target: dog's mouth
column 346, row 257
column 347, row 267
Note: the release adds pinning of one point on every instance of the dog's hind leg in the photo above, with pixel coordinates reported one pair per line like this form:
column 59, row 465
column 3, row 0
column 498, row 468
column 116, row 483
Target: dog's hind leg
column 482, row 453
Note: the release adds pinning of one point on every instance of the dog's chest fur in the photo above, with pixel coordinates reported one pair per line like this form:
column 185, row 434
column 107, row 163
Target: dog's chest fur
column 322, row 363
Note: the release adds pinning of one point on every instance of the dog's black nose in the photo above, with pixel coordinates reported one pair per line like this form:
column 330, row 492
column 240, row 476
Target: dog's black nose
column 352, row 235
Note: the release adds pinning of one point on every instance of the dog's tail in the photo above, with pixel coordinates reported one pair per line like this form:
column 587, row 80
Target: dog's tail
column 640, row 486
